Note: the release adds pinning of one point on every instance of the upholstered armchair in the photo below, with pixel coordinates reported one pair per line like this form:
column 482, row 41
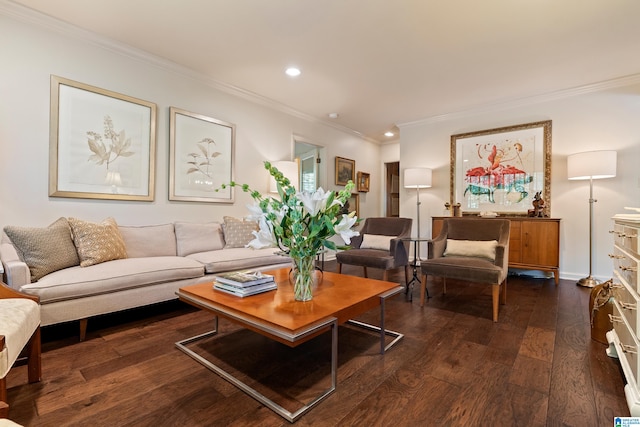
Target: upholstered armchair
column 19, row 329
column 470, row 249
column 379, row 245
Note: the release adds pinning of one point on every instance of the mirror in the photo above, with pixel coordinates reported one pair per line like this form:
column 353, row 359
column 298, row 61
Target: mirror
column 309, row 157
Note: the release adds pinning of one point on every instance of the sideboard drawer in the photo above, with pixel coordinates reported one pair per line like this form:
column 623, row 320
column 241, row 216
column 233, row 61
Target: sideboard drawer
column 628, row 305
column 627, row 341
column 626, row 265
column 627, row 237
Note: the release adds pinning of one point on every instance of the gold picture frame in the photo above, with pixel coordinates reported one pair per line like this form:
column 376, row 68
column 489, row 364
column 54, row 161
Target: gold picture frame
column 345, row 170
column 102, row 144
column 362, row 182
column 354, row 204
column 500, row 170
column 201, row 157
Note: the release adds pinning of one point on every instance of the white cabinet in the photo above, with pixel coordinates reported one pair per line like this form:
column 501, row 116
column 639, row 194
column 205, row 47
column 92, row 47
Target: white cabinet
column 623, row 338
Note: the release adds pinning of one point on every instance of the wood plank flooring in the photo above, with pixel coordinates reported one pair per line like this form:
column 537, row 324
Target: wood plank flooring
column 536, row 367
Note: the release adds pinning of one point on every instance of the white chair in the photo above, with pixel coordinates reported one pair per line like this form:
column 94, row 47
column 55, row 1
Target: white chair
column 19, row 330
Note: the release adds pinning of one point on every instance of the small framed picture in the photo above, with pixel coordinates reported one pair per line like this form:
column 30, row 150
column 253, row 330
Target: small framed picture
column 362, row 182
column 345, row 170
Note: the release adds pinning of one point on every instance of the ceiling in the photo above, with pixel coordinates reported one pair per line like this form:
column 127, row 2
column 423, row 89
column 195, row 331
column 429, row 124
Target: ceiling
column 377, row 63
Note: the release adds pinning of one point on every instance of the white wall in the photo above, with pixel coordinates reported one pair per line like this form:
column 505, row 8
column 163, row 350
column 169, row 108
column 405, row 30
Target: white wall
column 597, row 118
column 30, row 53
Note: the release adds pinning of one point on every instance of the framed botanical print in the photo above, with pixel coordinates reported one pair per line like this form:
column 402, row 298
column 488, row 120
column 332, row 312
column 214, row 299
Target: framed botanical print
column 345, row 170
column 201, row 157
column 102, row 143
column 501, row 170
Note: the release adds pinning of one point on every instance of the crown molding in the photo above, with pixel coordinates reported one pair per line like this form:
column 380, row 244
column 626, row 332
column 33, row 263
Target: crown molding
column 26, row 15
column 521, row 102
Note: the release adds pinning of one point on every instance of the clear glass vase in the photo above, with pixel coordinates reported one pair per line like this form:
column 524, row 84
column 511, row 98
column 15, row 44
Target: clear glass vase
column 304, row 276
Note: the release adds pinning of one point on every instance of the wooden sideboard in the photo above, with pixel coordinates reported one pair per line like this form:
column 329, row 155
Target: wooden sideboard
column 534, row 243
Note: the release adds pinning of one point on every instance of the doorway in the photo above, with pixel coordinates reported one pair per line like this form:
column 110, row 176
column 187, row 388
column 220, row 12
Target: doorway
column 392, row 188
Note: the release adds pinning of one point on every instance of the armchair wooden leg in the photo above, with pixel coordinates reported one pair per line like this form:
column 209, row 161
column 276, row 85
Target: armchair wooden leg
column 3, row 398
column 504, row 292
column 365, row 273
column 423, row 287
column 339, row 268
column 406, row 274
column 385, row 275
column 495, row 291
column 35, row 357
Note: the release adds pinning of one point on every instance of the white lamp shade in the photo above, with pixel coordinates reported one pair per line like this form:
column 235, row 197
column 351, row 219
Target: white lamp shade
column 592, row 164
column 417, row 178
column 289, row 170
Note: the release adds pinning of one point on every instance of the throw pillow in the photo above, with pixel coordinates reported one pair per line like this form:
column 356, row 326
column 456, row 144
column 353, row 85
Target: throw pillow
column 376, row 241
column 194, row 238
column 44, row 250
column 238, row 232
column 472, row 248
column 97, row 243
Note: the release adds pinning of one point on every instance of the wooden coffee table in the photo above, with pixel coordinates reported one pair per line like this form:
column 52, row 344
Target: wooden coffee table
column 276, row 315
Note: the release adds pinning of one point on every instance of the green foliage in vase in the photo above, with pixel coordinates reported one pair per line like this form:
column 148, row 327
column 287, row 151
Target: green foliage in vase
column 300, row 223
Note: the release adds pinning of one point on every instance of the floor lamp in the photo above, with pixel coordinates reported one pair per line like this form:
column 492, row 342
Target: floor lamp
column 417, row 178
column 591, row 165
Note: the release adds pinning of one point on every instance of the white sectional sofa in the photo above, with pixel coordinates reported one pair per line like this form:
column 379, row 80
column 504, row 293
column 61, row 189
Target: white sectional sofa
column 157, row 260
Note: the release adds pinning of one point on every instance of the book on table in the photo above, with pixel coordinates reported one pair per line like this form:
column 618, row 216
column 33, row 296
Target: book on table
column 244, row 278
column 245, row 291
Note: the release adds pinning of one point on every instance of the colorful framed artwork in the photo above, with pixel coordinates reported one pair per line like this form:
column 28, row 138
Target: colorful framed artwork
column 102, row 144
column 201, row 159
column 501, row 170
column 345, row 170
column 362, row 182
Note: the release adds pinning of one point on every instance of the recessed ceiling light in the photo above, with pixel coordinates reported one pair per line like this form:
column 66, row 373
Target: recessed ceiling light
column 388, row 133
column 293, row 72
column 333, row 115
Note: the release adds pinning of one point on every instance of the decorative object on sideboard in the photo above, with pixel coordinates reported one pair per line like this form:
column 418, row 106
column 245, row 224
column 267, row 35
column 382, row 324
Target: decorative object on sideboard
column 538, row 210
column 591, row 165
column 418, row 178
column 363, row 182
column 501, row 169
column 455, row 210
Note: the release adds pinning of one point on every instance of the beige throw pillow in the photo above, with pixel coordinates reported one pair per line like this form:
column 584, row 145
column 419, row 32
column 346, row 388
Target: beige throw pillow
column 238, row 232
column 376, row 241
column 97, row 243
column 44, row 250
column 472, row 248
column 194, row 238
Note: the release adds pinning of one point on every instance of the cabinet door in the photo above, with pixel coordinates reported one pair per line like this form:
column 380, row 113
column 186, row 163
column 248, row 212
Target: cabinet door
column 540, row 243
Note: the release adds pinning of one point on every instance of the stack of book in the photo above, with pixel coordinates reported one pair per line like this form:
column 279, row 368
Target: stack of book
column 244, row 283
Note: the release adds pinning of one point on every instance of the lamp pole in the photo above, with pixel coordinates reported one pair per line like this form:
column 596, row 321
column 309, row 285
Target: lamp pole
column 589, row 281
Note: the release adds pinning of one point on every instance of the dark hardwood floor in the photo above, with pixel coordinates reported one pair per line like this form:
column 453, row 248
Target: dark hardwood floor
column 537, row 366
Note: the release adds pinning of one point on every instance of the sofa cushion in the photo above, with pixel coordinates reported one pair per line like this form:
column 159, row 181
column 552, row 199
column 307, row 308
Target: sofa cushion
column 238, row 232
column 150, row 240
column 238, row 259
column 471, row 248
column 192, row 237
column 97, row 242
column 112, row 276
column 44, row 250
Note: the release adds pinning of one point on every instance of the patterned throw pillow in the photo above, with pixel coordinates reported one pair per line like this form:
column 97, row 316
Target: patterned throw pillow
column 44, row 250
column 238, row 232
column 97, row 243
